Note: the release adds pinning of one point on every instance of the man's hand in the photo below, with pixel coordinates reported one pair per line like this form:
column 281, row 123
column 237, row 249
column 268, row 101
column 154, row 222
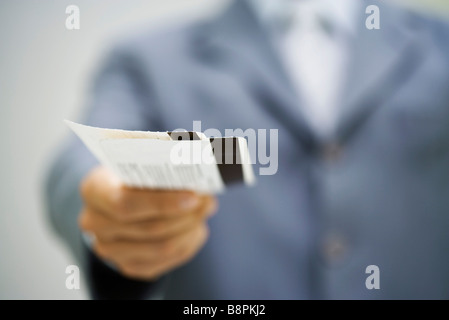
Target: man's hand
column 145, row 233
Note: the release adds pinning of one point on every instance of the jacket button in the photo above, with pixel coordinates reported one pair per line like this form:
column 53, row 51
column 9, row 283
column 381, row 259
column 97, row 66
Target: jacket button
column 332, row 151
column 334, row 249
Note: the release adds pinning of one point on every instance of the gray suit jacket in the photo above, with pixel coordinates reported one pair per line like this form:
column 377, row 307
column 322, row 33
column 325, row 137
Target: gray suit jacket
column 376, row 194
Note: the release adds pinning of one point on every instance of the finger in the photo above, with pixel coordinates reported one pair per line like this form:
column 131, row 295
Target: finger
column 102, row 191
column 157, row 230
column 210, row 207
column 93, row 221
column 151, row 270
column 108, row 229
column 124, row 250
column 162, row 229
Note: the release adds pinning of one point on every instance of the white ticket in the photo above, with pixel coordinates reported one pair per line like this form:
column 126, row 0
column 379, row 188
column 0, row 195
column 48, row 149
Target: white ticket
column 169, row 160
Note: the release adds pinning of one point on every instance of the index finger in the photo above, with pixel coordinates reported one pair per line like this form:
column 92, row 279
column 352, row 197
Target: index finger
column 103, row 192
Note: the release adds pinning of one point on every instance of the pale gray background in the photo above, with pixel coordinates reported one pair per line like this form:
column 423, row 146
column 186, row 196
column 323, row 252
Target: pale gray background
column 44, row 72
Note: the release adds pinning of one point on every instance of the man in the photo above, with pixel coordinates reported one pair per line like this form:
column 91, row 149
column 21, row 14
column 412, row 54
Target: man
column 363, row 158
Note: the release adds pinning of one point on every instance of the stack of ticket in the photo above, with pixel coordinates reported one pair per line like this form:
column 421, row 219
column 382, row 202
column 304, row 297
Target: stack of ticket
column 177, row 160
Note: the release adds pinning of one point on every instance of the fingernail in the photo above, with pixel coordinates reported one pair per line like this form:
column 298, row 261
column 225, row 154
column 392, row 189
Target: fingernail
column 189, row 202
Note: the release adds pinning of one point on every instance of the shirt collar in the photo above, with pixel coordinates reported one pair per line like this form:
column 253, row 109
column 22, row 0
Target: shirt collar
column 277, row 14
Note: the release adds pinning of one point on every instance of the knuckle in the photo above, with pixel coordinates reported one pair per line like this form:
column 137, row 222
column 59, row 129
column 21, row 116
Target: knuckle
column 170, row 203
column 209, row 208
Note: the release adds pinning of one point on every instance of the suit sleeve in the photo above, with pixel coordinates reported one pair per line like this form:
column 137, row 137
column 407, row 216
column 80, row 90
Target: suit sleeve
column 121, row 97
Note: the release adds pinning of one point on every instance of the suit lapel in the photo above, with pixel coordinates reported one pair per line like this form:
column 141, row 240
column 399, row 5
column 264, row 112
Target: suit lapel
column 381, row 61
column 236, row 43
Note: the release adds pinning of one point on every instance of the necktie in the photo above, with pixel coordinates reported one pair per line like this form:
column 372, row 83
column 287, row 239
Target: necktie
column 315, row 58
